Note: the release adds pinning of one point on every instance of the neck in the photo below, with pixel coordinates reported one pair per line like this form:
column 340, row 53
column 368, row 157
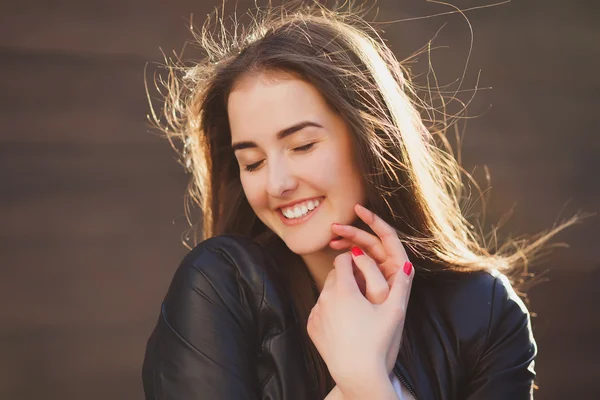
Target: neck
column 319, row 264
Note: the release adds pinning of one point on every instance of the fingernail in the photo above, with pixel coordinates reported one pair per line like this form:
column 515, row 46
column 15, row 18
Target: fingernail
column 407, row 267
column 357, row 251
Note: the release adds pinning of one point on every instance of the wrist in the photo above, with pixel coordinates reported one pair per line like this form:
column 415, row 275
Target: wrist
column 376, row 385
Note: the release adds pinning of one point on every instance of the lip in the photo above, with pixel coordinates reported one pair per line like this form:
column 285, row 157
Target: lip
column 300, row 220
column 293, row 203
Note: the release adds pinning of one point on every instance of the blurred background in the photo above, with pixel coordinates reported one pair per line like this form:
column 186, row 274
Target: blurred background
column 91, row 198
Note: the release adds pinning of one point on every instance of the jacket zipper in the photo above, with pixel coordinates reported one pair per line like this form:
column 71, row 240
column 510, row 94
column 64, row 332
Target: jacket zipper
column 403, row 381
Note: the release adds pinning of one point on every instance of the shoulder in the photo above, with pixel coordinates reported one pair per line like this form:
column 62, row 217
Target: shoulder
column 480, row 310
column 475, row 305
column 477, row 291
column 225, row 278
column 226, row 257
column 229, row 249
column 227, row 270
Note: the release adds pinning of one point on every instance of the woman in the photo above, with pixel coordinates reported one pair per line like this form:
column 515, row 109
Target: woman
column 305, row 140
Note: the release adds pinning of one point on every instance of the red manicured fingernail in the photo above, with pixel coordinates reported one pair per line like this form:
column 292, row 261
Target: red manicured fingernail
column 357, row 251
column 407, row 267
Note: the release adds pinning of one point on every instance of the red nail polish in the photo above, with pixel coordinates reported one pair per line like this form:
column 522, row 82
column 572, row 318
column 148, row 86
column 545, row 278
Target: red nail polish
column 407, row 267
column 357, row 251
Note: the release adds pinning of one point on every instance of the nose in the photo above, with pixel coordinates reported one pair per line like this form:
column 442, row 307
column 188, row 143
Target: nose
column 281, row 179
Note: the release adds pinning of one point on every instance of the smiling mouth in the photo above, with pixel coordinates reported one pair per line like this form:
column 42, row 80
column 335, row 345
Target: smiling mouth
column 302, row 211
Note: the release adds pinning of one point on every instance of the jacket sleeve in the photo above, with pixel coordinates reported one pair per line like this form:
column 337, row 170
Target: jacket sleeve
column 204, row 343
column 504, row 369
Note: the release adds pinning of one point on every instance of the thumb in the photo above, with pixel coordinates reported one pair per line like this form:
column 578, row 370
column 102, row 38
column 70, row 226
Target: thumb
column 343, row 272
column 400, row 291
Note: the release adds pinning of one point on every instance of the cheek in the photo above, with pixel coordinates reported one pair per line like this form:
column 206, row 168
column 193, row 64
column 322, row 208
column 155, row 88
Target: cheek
column 322, row 169
column 253, row 193
column 333, row 171
column 342, row 177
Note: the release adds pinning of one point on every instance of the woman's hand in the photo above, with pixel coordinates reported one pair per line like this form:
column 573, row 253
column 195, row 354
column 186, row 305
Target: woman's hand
column 388, row 259
column 371, row 327
column 353, row 335
column 384, row 247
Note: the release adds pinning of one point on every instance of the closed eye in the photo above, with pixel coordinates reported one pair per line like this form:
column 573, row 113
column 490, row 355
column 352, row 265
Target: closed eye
column 299, row 149
column 306, row 147
column 252, row 167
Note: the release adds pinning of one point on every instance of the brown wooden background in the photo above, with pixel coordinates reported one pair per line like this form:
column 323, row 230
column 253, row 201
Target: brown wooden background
column 91, row 202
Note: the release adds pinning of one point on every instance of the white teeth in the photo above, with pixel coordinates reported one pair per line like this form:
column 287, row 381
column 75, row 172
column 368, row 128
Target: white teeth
column 301, row 210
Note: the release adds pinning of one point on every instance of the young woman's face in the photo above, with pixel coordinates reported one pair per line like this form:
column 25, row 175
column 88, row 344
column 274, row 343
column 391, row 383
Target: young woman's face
column 295, row 156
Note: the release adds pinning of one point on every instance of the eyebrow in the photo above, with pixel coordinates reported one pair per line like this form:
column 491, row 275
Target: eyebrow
column 280, row 135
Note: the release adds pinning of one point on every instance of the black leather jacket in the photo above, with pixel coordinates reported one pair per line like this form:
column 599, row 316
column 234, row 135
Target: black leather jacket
column 224, row 332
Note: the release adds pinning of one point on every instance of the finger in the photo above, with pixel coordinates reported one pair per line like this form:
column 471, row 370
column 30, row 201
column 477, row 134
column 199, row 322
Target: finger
column 329, row 282
column 344, row 275
column 360, row 281
column 376, row 286
column 340, row 244
column 371, row 243
column 386, row 233
column 359, row 277
column 397, row 300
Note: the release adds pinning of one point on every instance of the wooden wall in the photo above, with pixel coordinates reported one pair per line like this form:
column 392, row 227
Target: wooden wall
column 91, row 202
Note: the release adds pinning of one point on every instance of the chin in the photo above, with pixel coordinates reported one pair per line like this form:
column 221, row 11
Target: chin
column 307, row 246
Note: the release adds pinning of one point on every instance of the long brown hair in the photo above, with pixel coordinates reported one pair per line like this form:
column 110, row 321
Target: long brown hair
column 413, row 181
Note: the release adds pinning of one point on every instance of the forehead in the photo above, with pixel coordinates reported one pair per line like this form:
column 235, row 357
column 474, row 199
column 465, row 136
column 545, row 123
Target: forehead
column 263, row 104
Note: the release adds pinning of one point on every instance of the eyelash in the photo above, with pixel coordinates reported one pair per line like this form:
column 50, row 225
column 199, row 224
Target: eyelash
column 256, row 165
column 252, row 167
